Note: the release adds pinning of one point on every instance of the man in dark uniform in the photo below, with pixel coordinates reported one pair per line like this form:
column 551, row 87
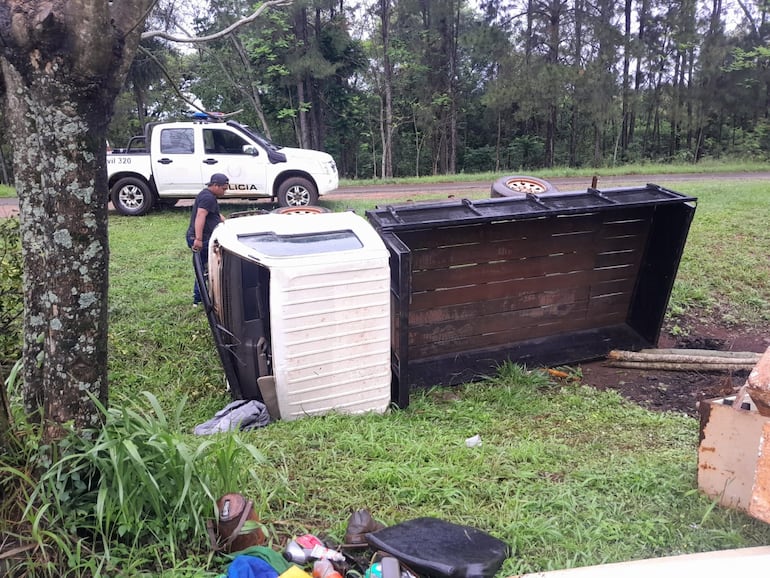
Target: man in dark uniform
column 204, row 217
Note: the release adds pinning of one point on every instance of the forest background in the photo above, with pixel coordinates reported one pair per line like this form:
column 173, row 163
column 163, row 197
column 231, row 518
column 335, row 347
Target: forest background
column 395, row 88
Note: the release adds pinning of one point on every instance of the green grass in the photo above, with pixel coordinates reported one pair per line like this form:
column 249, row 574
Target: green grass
column 7, row 192
column 725, row 270
column 566, row 475
column 709, row 166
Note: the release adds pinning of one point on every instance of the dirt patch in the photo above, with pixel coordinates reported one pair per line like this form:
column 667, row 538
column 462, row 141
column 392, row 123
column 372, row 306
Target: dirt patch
column 680, row 391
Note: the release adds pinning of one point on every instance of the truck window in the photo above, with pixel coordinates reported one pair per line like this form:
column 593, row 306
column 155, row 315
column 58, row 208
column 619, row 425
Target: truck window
column 222, row 142
column 176, row 141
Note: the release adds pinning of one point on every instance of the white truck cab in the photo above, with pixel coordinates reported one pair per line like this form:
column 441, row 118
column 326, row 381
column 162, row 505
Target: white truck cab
column 174, row 160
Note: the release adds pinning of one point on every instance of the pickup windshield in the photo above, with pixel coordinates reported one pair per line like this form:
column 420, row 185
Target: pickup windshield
column 262, row 140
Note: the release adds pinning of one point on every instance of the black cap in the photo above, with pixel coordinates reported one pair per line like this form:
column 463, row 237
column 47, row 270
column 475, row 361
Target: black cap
column 218, row 179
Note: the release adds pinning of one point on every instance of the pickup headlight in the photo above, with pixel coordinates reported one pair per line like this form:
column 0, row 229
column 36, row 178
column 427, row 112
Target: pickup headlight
column 329, row 167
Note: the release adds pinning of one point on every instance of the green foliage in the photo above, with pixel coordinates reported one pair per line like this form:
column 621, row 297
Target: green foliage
column 469, row 76
column 136, row 493
column 479, row 160
column 526, row 152
column 11, row 296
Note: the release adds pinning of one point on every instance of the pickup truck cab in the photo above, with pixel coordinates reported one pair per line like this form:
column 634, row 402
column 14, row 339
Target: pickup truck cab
column 174, row 160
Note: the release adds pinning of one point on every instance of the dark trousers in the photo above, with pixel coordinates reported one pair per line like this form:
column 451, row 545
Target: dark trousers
column 204, row 253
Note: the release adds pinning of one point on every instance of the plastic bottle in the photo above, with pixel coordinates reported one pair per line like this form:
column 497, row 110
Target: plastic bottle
column 307, row 547
column 320, row 552
column 323, row 568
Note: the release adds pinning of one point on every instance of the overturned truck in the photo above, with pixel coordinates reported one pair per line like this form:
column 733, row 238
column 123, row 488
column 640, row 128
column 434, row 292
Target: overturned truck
column 333, row 311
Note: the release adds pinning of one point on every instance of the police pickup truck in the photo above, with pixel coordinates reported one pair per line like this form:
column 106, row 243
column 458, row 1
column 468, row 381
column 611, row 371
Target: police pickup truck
column 174, row 160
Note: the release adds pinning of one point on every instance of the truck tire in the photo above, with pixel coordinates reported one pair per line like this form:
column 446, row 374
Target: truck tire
column 520, row 184
column 306, row 210
column 297, row 192
column 132, row 196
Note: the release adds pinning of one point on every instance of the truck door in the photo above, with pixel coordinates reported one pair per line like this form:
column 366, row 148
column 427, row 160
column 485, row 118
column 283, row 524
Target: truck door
column 228, row 152
column 173, row 159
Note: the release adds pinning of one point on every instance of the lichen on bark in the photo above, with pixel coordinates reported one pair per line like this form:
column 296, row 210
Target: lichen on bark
column 62, row 64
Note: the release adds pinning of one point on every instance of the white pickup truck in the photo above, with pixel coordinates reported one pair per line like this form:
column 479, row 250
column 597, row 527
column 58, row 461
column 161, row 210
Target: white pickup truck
column 174, row 161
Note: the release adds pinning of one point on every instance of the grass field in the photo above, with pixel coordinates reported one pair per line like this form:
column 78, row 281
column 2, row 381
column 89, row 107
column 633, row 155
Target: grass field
column 566, row 475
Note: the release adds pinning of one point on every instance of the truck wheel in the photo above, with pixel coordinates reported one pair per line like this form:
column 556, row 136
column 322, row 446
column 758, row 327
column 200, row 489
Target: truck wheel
column 132, row 196
column 306, row 210
column 297, row 192
column 515, row 185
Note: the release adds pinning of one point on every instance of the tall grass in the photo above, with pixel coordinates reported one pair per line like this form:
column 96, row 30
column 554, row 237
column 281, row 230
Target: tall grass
column 133, row 496
column 566, row 475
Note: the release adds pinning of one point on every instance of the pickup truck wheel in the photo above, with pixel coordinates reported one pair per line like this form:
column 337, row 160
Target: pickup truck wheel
column 132, row 196
column 297, row 192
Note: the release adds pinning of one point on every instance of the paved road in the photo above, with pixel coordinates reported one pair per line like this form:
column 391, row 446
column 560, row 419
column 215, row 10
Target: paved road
column 10, row 206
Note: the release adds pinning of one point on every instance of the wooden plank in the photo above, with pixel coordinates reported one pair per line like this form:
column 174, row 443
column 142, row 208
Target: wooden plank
column 500, row 231
column 464, row 366
column 620, row 229
column 501, row 271
column 618, row 285
column 516, row 333
column 444, row 257
column 475, row 308
column 630, row 257
column 487, row 291
column 480, row 325
column 621, row 243
column 609, row 305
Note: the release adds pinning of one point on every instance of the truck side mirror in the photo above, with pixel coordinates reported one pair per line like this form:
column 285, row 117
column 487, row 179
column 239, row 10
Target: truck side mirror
column 250, row 150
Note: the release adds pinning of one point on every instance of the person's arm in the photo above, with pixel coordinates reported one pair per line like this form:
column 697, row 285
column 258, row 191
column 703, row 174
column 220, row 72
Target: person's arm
column 200, row 221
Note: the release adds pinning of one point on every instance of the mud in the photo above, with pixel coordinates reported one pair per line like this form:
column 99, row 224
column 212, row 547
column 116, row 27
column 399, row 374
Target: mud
column 680, row 391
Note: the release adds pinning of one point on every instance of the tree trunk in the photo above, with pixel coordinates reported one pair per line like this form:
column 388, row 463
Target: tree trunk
column 626, row 91
column 387, row 86
column 301, row 34
column 452, row 39
column 304, row 130
column 141, row 106
column 3, row 168
column 578, row 66
column 63, row 64
column 63, row 209
column 252, row 94
column 638, row 75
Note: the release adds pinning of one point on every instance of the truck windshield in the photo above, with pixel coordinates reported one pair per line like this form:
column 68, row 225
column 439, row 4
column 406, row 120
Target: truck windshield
column 262, row 140
column 303, row 244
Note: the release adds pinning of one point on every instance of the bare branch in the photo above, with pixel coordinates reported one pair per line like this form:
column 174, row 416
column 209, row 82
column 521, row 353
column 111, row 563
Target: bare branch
column 171, row 81
column 199, row 39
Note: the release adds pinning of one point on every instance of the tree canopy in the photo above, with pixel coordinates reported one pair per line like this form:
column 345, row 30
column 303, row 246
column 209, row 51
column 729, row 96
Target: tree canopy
column 402, row 88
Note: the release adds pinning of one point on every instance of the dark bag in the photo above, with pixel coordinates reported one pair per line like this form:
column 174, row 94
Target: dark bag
column 227, row 532
column 433, row 547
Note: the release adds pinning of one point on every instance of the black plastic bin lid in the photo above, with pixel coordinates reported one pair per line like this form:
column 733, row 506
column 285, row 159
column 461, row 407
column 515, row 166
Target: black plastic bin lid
column 434, row 547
